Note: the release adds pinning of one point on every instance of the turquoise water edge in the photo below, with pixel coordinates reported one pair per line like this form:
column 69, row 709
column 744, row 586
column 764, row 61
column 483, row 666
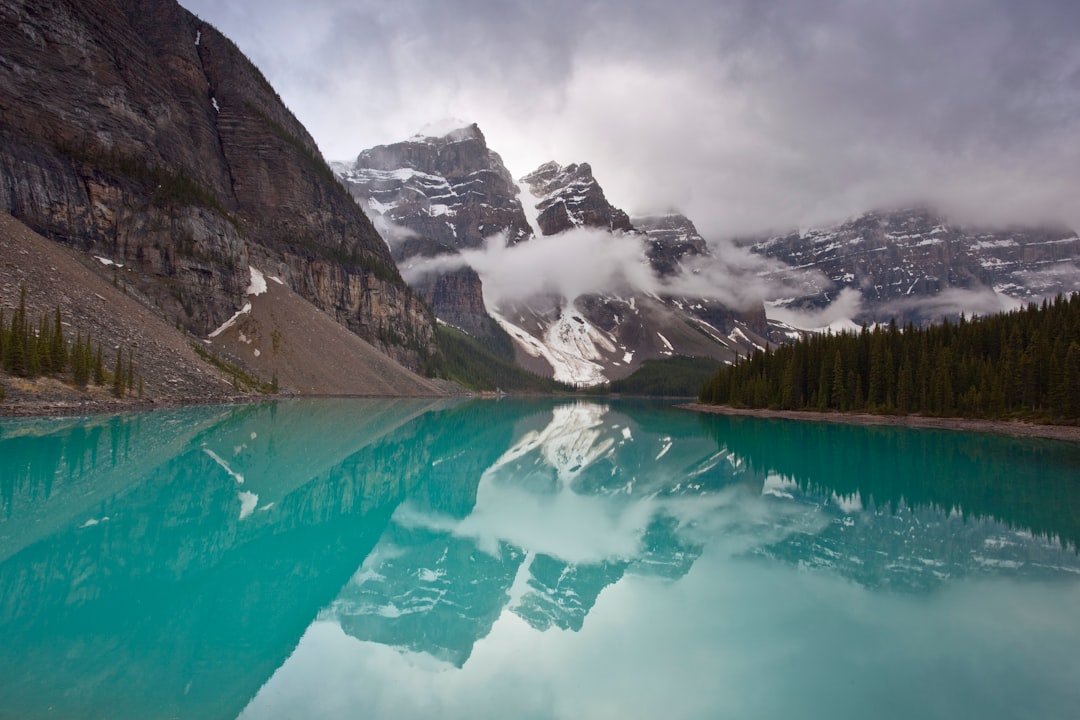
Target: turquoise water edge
column 531, row 559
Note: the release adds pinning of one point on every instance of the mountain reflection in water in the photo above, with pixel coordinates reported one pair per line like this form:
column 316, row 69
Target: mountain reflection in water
column 182, row 563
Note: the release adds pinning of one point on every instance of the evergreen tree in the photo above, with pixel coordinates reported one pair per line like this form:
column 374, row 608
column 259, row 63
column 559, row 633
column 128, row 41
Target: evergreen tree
column 99, row 366
column 129, row 381
column 80, row 367
column 118, row 374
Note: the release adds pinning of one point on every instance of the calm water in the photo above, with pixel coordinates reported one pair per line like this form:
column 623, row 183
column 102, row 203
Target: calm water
column 531, row 559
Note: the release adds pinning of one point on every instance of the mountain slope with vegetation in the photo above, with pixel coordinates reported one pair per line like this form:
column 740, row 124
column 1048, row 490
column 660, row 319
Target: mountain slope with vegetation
column 1019, row 365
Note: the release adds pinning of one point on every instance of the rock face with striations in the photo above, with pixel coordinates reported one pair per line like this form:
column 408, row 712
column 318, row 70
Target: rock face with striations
column 434, row 195
column 570, row 197
column 901, row 261
column 134, row 129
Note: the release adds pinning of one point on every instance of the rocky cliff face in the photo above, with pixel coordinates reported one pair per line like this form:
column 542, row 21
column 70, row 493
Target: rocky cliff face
column 569, row 197
column 434, row 196
column 451, row 189
column 134, row 129
column 900, row 261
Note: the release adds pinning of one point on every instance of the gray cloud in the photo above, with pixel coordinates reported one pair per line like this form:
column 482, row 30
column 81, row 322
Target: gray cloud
column 595, row 261
column 746, row 114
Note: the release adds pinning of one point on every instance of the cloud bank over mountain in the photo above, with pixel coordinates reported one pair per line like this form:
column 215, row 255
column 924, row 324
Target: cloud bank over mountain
column 746, row 115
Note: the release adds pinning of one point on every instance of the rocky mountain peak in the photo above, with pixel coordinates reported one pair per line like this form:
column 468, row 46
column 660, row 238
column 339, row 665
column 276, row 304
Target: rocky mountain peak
column 449, row 130
column 450, row 189
column 451, row 192
column 569, row 197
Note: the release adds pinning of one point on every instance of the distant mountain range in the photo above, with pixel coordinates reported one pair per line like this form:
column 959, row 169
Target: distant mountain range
column 915, row 265
column 438, row 199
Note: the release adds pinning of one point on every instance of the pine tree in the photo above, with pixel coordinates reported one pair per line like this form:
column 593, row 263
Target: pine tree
column 80, row 368
column 118, row 374
column 99, row 366
column 58, row 348
column 129, row 382
column 1071, row 376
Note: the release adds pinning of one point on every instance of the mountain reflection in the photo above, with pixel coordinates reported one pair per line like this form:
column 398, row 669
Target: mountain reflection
column 168, row 564
column 579, row 498
column 909, row 509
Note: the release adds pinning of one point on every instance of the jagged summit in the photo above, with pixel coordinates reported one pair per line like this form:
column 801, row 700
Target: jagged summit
column 451, row 188
column 453, row 129
column 568, row 197
column 452, row 192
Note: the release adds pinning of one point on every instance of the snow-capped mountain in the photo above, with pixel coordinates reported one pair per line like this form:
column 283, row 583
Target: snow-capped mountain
column 914, row 265
column 438, row 199
column 451, row 189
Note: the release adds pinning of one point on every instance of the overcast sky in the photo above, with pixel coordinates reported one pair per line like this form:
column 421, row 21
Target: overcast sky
column 744, row 114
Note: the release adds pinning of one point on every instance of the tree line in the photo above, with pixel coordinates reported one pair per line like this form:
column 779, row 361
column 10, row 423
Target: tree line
column 1022, row 364
column 31, row 350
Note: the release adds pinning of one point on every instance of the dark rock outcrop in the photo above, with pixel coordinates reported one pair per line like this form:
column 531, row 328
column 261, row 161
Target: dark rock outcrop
column 671, row 238
column 137, row 130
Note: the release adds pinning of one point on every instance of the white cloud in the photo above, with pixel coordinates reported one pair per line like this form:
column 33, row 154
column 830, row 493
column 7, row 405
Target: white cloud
column 838, row 315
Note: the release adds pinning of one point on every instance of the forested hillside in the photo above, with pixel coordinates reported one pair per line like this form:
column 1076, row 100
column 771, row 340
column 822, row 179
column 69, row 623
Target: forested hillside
column 1024, row 364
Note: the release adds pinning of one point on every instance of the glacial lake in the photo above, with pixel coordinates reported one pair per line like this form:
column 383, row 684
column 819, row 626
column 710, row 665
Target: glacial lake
column 531, row 559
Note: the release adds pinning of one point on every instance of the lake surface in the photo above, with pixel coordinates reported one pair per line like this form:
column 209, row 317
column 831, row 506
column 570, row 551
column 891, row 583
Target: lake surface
column 531, row 559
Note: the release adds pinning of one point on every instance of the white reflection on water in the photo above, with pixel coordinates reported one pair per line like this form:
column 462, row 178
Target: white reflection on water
column 731, row 639
column 733, row 633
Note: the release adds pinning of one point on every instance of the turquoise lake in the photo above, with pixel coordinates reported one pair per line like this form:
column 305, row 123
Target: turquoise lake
column 531, row 559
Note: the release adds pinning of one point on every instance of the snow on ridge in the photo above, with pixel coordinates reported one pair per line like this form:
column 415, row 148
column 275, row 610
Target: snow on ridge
column 231, row 321
column 441, row 128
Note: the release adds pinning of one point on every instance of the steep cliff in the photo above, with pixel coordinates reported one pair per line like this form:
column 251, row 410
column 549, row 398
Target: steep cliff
column 132, row 128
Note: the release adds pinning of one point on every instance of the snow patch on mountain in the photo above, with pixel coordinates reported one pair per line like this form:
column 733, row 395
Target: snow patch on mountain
column 257, row 286
column 569, row 346
column 530, row 205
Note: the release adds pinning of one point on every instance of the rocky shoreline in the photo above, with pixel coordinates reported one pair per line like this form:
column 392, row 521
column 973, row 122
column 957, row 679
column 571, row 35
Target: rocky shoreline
column 1068, row 433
